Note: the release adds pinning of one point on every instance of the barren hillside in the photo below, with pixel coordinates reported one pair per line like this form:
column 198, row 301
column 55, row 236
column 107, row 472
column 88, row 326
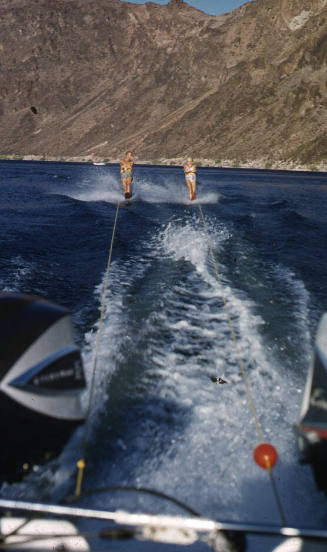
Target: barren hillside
column 106, row 76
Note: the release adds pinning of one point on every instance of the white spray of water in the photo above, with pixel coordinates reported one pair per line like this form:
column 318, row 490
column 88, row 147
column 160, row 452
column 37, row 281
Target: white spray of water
column 160, row 189
column 18, row 271
column 167, row 190
column 101, row 187
column 301, row 296
column 213, row 454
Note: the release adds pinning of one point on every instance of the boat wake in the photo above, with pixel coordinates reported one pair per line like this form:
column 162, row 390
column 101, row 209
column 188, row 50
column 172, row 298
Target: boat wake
column 161, row 365
column 158, row 420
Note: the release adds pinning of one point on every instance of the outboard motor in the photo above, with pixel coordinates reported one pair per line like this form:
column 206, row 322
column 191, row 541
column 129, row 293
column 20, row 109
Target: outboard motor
column 312, row 427
column 41, row 382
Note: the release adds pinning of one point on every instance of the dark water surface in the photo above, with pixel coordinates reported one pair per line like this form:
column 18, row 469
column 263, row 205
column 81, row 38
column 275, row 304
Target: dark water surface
column 157, row 420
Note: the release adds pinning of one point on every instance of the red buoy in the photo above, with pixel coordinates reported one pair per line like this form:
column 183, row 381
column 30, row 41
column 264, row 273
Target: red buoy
column 265, row 455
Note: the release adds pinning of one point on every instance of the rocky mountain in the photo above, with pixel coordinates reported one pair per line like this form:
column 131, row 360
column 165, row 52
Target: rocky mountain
column 94, row 78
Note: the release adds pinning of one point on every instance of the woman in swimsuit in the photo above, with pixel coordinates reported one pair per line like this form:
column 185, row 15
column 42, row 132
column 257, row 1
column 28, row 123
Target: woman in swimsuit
column 126, row 172
column 190, row 177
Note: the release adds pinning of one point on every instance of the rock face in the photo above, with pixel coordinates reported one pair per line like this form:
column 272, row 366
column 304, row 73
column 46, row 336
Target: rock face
column 80, row 77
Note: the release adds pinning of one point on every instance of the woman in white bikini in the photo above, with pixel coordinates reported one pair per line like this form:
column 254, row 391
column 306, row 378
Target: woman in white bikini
column 190, row 177
column 126, row 173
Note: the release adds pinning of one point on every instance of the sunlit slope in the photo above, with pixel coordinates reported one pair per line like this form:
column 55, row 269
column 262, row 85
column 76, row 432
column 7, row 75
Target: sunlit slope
column 108, row 76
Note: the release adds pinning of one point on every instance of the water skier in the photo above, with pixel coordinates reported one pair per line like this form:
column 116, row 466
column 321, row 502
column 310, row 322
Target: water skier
column 126, row 172
column 190, row 177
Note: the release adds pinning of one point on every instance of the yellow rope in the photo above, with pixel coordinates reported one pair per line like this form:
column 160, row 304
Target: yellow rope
column 81, row 462
column 241, row 365
column 276, row 493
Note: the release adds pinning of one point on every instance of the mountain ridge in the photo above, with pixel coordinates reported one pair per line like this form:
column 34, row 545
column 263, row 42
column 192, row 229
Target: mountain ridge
column 164, row 80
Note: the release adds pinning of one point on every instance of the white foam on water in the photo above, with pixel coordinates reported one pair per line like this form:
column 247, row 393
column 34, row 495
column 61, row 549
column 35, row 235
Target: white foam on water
column 163, row 189
column 102, row 187
column 168, row 189
column 208, row 462
column 301, row 297
column 18, row 271
column 114, row 338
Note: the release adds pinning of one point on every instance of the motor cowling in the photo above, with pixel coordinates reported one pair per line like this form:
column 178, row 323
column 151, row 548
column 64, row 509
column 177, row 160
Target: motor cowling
column 40, row 366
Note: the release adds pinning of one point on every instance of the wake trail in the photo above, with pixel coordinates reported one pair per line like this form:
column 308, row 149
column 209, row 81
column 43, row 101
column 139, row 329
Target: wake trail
column 165, row 333
column 186, row 340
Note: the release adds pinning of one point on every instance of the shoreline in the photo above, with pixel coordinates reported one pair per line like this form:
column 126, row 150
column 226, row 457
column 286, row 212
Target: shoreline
column 262, row 164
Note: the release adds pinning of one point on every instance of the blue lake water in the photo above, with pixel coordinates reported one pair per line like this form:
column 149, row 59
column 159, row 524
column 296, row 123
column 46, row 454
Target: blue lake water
column 157, row 420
